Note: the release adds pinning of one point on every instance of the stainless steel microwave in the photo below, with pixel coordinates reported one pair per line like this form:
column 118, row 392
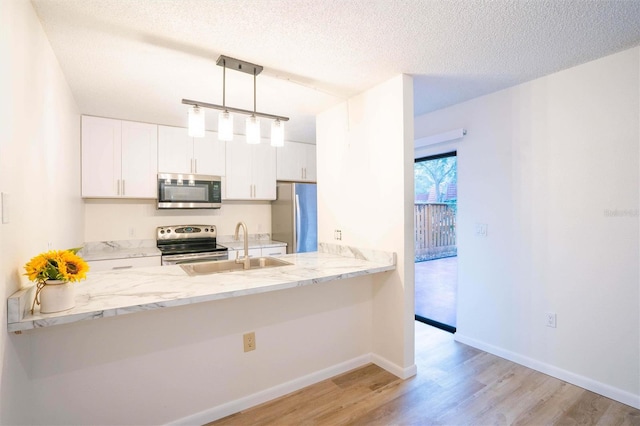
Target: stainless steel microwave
column 189, row 191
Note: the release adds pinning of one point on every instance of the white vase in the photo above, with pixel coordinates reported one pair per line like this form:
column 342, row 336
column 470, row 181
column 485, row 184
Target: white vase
column 56, row 296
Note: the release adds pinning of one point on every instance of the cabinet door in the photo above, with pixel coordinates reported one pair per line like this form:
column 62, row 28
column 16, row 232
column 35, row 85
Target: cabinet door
column 263, row 167
column 209, row 155
column 289, row 161
column 175, row 150
column 239, row 185
column 296, row 162
column 115, row 264
column 100, row 157
column 253, row 252
column 274, row 251
column 310, row 173
column 139, row 160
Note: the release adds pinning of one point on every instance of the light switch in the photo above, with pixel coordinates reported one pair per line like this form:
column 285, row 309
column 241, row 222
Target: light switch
column 5, row 207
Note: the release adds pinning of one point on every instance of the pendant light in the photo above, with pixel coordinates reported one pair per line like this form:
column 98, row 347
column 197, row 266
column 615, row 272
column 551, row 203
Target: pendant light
column 253, row 124
column 225, row 126
column 277, row 133
column 225, row 117
column 196, row 122
column 253, row 130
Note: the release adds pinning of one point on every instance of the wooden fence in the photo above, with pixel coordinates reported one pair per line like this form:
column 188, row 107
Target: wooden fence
column 435, row 228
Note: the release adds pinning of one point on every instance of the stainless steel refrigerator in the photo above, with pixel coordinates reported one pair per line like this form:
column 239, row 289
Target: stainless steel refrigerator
column 294, row 216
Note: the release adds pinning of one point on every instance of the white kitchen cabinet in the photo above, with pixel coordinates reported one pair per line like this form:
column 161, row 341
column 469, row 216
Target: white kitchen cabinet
column 253, row 252
column 258, row 252
column 128, row 263
column 274, row 251
column 119, row 158
column 296, row 162
column 251, row 170
column 180, row 153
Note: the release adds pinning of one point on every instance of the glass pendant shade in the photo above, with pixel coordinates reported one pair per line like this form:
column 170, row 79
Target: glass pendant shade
column 196, row 122
column 253, row 130
column 225, row 126
column 277, row 133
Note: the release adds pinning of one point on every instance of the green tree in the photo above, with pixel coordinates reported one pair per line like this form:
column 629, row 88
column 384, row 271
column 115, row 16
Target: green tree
column 433, row 173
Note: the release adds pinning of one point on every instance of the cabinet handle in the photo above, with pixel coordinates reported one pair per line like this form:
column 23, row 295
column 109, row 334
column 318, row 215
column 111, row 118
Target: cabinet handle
column 123, row 267
column 118, row 187
column 195, row 165
column 123, row 187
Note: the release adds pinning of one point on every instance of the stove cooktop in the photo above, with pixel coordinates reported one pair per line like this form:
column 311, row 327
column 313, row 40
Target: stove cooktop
column 183, row 239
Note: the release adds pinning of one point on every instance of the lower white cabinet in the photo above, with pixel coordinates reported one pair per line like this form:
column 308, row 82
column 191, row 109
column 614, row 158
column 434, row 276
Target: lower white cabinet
column 253, row 252
column 274, row 251
column 128, row 263
column 259, row 252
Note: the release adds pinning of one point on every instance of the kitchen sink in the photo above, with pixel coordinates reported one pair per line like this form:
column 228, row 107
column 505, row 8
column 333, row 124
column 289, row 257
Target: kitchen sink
column 205, row 268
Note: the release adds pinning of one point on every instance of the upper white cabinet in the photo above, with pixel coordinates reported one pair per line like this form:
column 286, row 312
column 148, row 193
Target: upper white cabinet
column 119, row 158
column 251, row 170
column 180, row 153
column 296, row 162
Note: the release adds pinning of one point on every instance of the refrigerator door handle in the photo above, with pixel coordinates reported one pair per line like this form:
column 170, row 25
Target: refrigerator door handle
column 296, row 237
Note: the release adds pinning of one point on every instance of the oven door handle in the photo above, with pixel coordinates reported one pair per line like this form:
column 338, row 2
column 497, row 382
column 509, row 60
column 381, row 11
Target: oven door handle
column 182, row 259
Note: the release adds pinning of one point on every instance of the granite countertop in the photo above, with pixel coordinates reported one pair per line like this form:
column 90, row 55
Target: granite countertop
column 120, row 292
column 107, row 250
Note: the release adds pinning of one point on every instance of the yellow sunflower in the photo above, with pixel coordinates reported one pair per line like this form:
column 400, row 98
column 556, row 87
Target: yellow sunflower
column 57, row 265
column 36, row 266
column 75, row 268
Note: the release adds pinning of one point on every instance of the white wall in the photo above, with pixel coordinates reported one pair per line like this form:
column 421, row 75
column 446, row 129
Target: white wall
column 188, row 362
column 541, row 164
column 39, row 169
column 112, row 220
column 365, row 189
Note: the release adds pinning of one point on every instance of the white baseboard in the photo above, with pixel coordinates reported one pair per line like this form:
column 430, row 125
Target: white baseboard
column 396, row 370
column 277, row 391
column 559, row 373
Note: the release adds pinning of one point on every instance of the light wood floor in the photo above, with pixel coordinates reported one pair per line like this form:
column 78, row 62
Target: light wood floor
column 455, row 385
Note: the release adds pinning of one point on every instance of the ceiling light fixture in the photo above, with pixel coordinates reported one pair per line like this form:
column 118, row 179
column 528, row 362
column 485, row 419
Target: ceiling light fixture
column 196, row 122
column 225, row 119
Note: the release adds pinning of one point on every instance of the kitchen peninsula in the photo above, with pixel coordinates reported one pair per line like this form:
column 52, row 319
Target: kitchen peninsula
column 119, row 292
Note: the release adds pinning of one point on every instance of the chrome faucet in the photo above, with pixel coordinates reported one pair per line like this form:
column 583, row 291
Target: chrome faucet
column 245, row 260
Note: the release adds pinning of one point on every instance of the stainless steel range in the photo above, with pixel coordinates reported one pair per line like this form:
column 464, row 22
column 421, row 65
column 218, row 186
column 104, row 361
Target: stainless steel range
column 189, row 244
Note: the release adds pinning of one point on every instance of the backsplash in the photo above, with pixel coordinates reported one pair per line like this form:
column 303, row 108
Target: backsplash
column 117, row 220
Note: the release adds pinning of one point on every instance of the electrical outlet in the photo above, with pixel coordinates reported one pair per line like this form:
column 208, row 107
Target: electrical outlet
column 550, row 319
column 132, row 232
column 249, row 341
column 481, row 229
column 337, row 234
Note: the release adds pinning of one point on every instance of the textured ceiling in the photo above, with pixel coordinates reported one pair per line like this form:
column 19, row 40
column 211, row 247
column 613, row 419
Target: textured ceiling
column 137, row 59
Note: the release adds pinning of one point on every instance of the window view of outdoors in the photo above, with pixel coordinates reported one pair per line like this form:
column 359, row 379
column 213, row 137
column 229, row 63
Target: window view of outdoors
column 435, row 208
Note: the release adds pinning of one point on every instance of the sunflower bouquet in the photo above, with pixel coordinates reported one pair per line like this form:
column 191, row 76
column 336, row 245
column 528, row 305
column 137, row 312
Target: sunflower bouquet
column 60, row 265
column 64, row 265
